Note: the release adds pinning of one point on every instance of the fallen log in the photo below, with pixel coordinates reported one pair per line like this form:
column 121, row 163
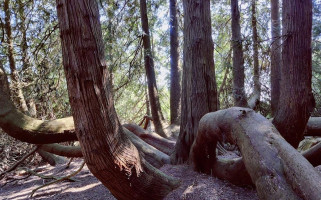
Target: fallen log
column 277, row 169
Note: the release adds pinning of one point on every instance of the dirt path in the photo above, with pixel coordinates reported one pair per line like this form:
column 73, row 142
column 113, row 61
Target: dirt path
column 194, row 186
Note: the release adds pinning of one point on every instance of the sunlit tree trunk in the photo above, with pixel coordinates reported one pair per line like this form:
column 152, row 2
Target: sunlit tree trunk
column 150, row 73
column 108, row 152
column 296, row 98
column 175, row 88
column 255, row 100
column 276, row 61
column 238, row 60
column 199, row 93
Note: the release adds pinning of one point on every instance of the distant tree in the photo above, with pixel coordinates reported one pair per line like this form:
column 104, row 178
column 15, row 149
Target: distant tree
column 199, row 93
column 150, row 73
column 255, row 100
column 276, row 61
column 175, row 88
column 238, row 60
column 16, row 85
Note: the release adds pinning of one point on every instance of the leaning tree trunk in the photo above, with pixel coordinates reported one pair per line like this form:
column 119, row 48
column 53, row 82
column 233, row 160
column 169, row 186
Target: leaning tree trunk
column 15, row 81
column 277, row 169
column 276, row 61
column 108, row 152
column 175, row 87
column 296, row 99
column 199, row 95
column 238, row 60
column 150, row 73
column 255, row 99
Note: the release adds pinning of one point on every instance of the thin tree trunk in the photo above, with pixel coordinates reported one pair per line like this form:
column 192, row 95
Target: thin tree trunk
column 238, row 60
column 15, row 81
column 276, row 61
column 296, row 95
column 255, row 100
column 199, row 94
column 175, row 87
column 108, row 152
column 150, row 73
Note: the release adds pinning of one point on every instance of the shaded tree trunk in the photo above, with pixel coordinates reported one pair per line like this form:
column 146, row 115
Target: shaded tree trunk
column 175, row 87
column 277, row 169
column 238, row 60
column 17, row 93
column 296, row 95
column 255, row 99
column 108, row 152
column 150, row 73
column 199, row 93
column 276, row 61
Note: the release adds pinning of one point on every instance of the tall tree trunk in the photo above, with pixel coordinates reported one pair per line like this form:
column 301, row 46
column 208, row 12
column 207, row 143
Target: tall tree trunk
column 15, row 81
column 296, row 95
column 238, row 60
column 109, row 154
column 175, row 88
column 199, row 95
column 276, row 61
column 150, row 73
column 255, row 100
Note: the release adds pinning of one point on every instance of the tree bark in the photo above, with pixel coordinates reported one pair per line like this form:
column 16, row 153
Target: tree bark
column 238, row 60
column 296, row 95
column 277, row 169
column 199, row 94
column 150, row 73
column 175, row 87
column 255, row 99
column 276, row 61
column 15, row 81
column 109, row 154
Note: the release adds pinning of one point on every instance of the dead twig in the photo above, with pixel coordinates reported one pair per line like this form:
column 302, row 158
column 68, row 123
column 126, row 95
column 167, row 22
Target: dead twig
column 19, row 162
column 59, row 180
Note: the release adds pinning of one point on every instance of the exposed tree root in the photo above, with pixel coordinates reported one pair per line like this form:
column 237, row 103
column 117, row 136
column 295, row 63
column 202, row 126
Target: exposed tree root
column 160, row 143
column 313, row 127
column 59, row 179
column 313, row 155
column 13, row 167
column 62, row 150
column 275, row 167
column 51, row 158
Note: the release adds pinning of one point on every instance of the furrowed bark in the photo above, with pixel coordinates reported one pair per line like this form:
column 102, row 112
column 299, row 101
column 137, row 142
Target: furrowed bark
column 275, row 167
column 199, row 91
column 296, row 101
column 108, row 152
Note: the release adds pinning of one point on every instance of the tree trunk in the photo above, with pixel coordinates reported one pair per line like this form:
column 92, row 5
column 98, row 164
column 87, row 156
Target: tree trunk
column 108, row 152
column 15, row 81
column 255, row 100
column 276, row 61
column 199, row 95
column 277, row 169
column 296, row 95
column 175, row 87
column 150, row 73
column 238, row 60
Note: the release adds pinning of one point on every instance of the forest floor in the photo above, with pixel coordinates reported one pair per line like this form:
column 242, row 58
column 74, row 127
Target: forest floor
column 194, row 185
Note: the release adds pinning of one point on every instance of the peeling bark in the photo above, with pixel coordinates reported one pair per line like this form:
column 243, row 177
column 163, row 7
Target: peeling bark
column 275, row 167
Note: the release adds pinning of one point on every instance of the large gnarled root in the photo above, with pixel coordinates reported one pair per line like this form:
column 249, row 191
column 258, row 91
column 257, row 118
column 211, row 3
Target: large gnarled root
column 164, row 145
column 277, row 169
